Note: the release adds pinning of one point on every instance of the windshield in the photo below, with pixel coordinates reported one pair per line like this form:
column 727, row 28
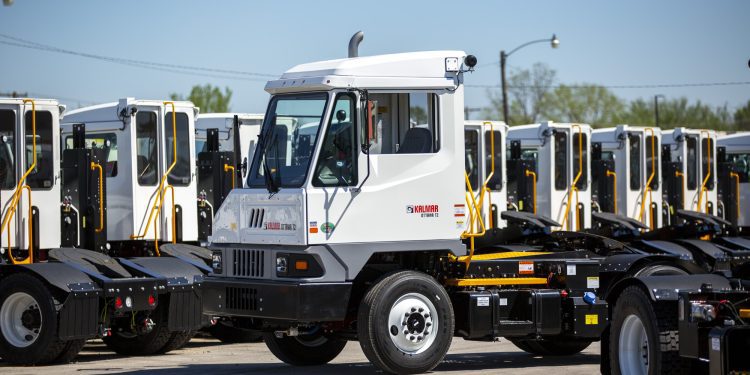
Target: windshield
column 287, row 140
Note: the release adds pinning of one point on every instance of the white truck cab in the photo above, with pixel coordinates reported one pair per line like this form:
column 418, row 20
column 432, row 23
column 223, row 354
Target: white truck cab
column 736, row 182
column 561, row 171
column 249, row 128
column 636, row 174
column 691, row 169
column 138, row 134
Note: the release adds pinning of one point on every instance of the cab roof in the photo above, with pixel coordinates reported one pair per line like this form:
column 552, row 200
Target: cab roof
column 412, row 70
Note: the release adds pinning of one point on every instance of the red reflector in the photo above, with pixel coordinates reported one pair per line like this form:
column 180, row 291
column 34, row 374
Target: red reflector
column 564, row 294
column 118, row 303
column 151, row 300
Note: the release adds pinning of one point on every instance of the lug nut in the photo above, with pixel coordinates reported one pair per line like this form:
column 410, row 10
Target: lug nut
column 428, row 324
column 413, row 309
column 426, row 315
column 421, row 309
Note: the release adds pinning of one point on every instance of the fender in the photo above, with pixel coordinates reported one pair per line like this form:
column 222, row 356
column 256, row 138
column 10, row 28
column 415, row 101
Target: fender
column 619, row 268
column 176, row 271
column 59, row 275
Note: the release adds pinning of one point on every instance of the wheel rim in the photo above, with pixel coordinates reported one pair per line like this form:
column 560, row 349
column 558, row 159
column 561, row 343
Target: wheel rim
column 634, row 347
column 413, row 323
column 20, row 320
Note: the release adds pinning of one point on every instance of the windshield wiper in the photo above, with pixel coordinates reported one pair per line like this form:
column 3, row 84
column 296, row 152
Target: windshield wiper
column 265, row 144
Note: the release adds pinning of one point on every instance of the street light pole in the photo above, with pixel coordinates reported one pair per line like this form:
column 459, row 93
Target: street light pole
column 656, row 107
column 554, row 43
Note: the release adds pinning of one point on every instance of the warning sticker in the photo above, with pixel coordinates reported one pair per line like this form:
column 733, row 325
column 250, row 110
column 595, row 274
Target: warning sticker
column 715, row 344
column 592, row 282
column 592, row 319
column 503, row 302
column 483, row 301
column 459, row 210
column 525, row 267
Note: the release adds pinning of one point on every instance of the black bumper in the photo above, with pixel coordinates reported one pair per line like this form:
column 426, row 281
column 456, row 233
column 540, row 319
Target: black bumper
column 277, row 300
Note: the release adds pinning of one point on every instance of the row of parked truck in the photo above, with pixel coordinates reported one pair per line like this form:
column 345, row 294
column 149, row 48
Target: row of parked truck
column 363, row 207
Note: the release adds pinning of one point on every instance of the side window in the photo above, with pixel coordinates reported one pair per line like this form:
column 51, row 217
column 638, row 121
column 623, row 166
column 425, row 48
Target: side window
column 634, row 165
column 7, row 149
column 337, row 162
column 471, row 160
column 402, row 123
column 102, row 141
column 496, row 182
column 145, row 148
column 707, row 147
column 42, row 176
column 561, row 161
column 692, row 162
column 180, row 175
column 652, row 157
column 580, row 150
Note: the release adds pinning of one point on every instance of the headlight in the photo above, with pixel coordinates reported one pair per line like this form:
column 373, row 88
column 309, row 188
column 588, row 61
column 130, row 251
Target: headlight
column 298, row 265
column 216, row 263
column 281, row 265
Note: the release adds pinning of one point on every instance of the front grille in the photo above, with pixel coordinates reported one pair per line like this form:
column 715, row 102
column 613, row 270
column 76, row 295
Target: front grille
column 245, row 299
column 248, row 263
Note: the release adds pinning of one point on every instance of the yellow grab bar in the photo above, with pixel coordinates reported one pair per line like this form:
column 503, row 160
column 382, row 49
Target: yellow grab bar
column 682, row 178
column 708, row 173
column 17, row 192
column 575, row 180
column 98, row 166
column 475, row 208
column 533, row 189
column 228, row 168
column 162, row 188
column 614, row 187
column 736, row 177
column 647, row 188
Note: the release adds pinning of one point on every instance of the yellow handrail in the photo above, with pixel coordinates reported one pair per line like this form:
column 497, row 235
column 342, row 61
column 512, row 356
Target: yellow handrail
column 17, row 192
column 162, row 188
column 614, row 187
column 736, row 177
column 228, row 168
column 708, row 173
column 647, row 188
column 474, row 207
column 682, row 179
column 533, row 189
column 573, row 186
column 98, row 166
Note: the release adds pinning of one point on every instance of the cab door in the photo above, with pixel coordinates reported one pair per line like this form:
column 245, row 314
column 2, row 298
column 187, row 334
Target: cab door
column 9, row 165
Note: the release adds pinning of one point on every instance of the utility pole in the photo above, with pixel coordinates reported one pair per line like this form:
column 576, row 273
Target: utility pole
column 554, row 43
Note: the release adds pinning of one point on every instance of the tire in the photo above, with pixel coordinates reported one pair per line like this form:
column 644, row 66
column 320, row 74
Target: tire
column 552, row 347
column 177, row 341
column 644, row 338
column 232, row 335
column 24, row 296
column 306, row 350
column 126, row 343
column 405, row 323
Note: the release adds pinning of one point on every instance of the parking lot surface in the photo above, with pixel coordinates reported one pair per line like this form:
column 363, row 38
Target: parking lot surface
column 208, row 356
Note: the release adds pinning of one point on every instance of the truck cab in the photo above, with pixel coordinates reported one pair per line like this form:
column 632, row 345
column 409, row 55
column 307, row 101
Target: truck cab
column 482, row 139
column 558, row 162
column 137, row 135
column 628, row 183
column 248, row 125
column 734, row 182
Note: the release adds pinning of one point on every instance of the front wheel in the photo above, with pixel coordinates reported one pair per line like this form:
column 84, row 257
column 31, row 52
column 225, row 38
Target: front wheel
column 405, row 323
column 304, row 350
column 643, row 338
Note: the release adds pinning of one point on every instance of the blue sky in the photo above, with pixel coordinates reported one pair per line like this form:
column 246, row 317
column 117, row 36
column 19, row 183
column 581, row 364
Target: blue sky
column 604, row 42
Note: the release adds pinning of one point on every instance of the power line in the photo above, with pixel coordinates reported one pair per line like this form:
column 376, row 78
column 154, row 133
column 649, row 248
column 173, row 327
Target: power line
column 173, row 68
column 641, row 86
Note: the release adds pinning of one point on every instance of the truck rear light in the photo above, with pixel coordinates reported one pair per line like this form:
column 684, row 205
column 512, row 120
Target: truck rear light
column 151, row 300
column 128, row 302
column 118, row 303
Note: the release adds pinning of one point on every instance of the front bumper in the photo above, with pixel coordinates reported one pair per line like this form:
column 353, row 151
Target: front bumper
column 276, row 300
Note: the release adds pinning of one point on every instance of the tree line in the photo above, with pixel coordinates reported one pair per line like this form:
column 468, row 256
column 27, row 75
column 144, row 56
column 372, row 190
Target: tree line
column 535, row 96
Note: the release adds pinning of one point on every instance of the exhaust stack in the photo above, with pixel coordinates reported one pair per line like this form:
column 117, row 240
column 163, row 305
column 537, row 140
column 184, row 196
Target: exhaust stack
column 354, row 43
